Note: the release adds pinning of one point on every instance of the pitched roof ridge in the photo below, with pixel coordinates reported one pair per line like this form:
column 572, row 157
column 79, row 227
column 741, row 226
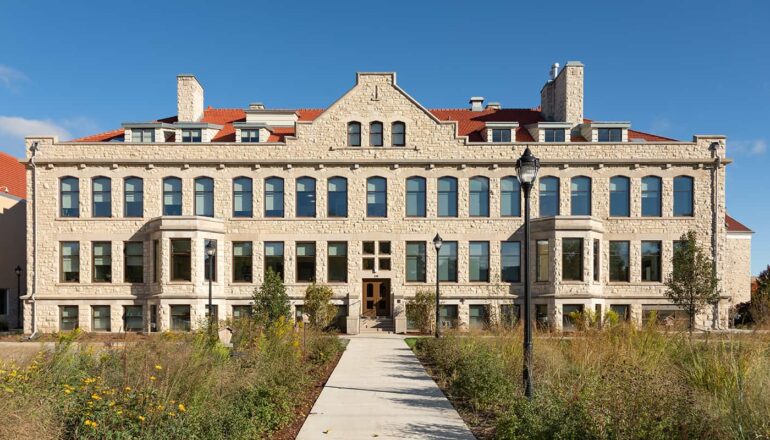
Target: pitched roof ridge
column 114, row 131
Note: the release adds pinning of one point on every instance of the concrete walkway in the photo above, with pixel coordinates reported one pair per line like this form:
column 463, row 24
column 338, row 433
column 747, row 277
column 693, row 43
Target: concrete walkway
column 380, row 390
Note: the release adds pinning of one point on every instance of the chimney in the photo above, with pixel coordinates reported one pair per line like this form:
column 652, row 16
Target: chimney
column 477, row 103
column 561, row 98
column 494, row 106
column 189, row 99
column 256, row 106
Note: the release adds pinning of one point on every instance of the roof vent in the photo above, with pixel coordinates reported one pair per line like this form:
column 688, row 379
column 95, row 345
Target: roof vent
column 554, row 71
column 494, row 106
column 256, row 106
column 477, row 103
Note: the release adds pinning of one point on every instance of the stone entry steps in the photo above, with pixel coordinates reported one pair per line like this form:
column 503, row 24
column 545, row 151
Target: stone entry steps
column 377, row 325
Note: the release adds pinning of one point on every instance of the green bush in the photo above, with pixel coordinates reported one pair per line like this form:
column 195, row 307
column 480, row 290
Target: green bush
column 270, row 300
column 421, row 310
column 318, row 305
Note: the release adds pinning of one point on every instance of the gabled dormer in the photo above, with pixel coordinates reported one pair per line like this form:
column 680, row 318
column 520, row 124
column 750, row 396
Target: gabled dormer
column 148, row 132
column 500, row 132
column 550, row 131
column 596, row 131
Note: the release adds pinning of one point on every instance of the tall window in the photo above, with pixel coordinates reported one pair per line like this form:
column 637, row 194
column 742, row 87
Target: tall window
column 69, row 197
column 305, row 197
column 172, row 196
column 204, row 196
column 375, row 134
column 274, row 257
column 542, row 262
column 305, row 262
column 398, row 134
column 376, row 197
column 683, row 196
column 597, row 260
column 415, row 197
column 191, row 135
column 479, row 261
column 572, row 259
column 70, row 262
column 651, row 261
column 338, row 197
column 249, row 135
column 580, row 196
column 501, row 135
column 479, row 197
column 180, row 259
column 133, row 267
column 620, row 196
column 133, row 197
column 549, row 196
column 338, row 262
column 510, row 197
column 274, row 197
column 143, row 135
column 210, row 267
column 242, row 263
column 156, row 261
column 447, row 261
column 415, row 261
column 242, row 197
column 619, row 261
column 610, row 135
column 651, row 200
column 554, row 135
column 510, row 255
column 102, row 262
column 447, row 197
column 354, row 134
column 101, row 196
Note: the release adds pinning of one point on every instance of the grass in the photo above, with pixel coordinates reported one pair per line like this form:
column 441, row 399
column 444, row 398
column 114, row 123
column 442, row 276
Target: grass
column 620, row 383
column 171, row 387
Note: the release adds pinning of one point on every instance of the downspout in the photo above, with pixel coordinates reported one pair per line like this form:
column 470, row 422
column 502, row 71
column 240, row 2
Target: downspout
column 33, row 149
column 714, row 147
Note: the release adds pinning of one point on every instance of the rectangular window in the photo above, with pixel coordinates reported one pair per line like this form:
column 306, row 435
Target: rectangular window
column 180, row 318
column 597, row 260
column 569, row 313
column 415, row 197
column 191, row 135
column 68, row 318
column 154, row 318
column 651, row 261
column 305, row 262
column 338, row 262
column 249, row 135
column 554, row 135
column 448, row 315
column 447, row 197
column 501, row 135
column 541, row 316
column 180, row 259
column 100, row 318
column 102, row 262
column 610, row 135
column 572, row 259
column 542, row 261
column 478, row 316
column 384, row 263
column 101, row 196
column 619, row 261
column 143, row 135
column 156, row 261
column 622, row 310
column 415, row 261
column 242, row 197
column 70, row 262
column 133, row 268
column 210, row 261
column 510, row 314
column 242, row 262
column 479, row 261
column 69, row 197
column 510, row 256
column 133, row 197
column 620, row 195
column 133, row 318
column 240, row 312
column 447, row 261
column 214, row 309
column 274, row 257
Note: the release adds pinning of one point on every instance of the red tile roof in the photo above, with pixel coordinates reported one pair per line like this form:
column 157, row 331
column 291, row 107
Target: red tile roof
column 13, row 177
column 734, row 225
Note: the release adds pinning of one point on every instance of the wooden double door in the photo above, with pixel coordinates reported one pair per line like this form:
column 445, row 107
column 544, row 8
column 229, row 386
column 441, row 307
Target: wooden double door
column 376, row 298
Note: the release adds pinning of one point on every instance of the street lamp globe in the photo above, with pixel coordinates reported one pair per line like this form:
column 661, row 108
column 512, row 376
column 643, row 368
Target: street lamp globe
column 437, row 242
column 17, row 271
column 527, row 167
column 211, row 250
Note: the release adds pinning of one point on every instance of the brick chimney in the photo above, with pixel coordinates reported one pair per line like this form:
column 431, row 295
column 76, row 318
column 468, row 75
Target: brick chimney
column 561, row 98
column 189, row 99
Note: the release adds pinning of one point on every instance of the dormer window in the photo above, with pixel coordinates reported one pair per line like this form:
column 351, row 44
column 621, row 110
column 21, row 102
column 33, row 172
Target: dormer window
column 501, row 135
column 249, row 135
column 554, row 134
column 610, row 135
column 191, row 135
column 143, row 135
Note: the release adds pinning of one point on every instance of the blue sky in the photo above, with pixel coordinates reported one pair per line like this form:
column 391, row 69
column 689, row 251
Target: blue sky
column 674, row 68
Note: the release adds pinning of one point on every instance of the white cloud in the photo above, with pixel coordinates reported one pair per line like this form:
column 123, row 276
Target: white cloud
column 11, row 77
column 14, row 129
column 755, row 147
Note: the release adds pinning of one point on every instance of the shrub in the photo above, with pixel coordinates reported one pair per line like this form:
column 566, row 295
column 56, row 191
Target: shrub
column 270, row 300
column 318, row 306
column 421, row 310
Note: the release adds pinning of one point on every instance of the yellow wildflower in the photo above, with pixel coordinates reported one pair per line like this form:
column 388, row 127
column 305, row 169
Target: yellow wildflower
column 118, row 412
column 112, row 403
column 128, row 388
column 90, row 423
column 95, row 397
column 153, row 378
column 182, row 407
column 160, row 407
column 67, row 391
column 158, row 367
column 141, row 418
column 172, row 414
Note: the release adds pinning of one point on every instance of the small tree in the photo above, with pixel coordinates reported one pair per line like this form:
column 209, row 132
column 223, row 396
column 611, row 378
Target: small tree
column 421, row 310
column 759, row 308
column 270, row 300
column 318, row 306
column 692, row 284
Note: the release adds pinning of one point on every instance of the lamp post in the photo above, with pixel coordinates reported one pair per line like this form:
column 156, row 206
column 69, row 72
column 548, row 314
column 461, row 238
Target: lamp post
column 18, row 293
column 437, row 242
column 211, row 250
column 527, row 167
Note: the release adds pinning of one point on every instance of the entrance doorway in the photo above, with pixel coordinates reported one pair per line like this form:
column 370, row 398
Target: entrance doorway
column 376, row 298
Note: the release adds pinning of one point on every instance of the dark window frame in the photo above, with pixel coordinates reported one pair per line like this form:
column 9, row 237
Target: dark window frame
column 131, row 275
column 510, row 273
column 107, row 277
column 334, row 195
column 305, row 260
column 451, row 261
column 398, row 131
column 655, row 272
column 376, row 128
column 451, row 196
column 658, row 207
column 418, row 260
column 103, row 193
column 502, row 135
column 513, row 196
column 192, row 135
column 335, row 260
column 74, row 257
column 620, row 250
column 549, row 193
column 688, row 210
column 245, row 261
column 138, row 195
column 578, row 193
column 554, row 135
column 482, row 195
column 246, row 196
column 354, row 134
column 618, row 195
column 611, row 134
column 567, row 256
column 74, row 194
column 179, row 255
column 420, row 196
column 207, row 194
column 171, row 209
column 305, row 200
column 277, row 195
column 372, row 210
column 273, row 262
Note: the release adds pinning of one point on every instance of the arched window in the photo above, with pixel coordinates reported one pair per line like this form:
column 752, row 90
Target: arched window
column 479, row 197
column 69, row 197
column 204, row 196
column 101, row 197
column 354, row 134
column 376, row 197
column 580, row 195
column 398, row 134
column 651, row 199
column 620, row 196
column 549, row 196
column 337, row 197
column 683, row 196
column 242, row 197
column 447, row 197
column 274, row 197
column 510, row 197
column 305, row 197
column 133, row 197
column 375, row 134
column 172, row 196
column 415, row 197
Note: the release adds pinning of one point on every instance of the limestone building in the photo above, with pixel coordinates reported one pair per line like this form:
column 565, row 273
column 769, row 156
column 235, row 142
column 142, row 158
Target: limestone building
column 352, row 195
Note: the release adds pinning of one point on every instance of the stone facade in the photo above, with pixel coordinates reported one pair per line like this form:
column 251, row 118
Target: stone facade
column 318, row 148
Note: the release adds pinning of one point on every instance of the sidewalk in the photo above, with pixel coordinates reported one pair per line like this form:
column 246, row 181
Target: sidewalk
column 380, row 390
